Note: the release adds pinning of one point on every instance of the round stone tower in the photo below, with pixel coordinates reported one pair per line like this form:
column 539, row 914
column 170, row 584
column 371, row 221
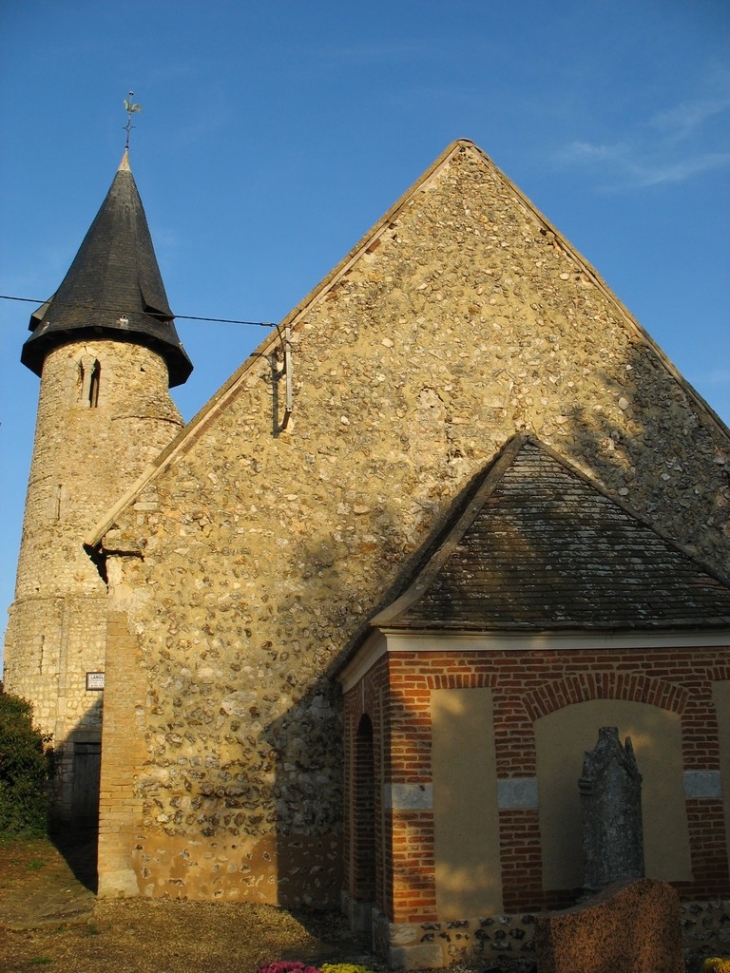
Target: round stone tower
column 106, row 350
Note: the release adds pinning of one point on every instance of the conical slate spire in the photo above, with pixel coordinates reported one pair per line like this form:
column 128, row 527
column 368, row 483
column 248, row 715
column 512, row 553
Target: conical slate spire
column 113, row 288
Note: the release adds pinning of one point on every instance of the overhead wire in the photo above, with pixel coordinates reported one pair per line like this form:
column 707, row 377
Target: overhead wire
column 115, row 310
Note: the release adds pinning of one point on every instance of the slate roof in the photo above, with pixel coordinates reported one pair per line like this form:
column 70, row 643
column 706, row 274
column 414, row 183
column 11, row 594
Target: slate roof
column 112, row 289
column 540, row 546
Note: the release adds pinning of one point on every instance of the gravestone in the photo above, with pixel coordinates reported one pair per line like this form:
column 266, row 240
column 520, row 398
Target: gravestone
column 610, row 791
column 630, row 927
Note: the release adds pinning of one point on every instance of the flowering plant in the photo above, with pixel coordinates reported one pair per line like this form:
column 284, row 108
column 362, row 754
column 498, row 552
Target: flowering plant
column 287, row 966
column 344, row 968
column 295, row 966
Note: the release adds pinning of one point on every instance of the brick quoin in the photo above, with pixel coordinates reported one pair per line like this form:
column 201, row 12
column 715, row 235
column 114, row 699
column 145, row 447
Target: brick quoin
column 414, row 893
column 122, row 753
column 519, row 832
column 366, row 704
column 707, row 840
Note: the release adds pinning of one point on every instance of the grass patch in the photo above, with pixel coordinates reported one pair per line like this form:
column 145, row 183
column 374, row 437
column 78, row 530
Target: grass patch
column 22, row 859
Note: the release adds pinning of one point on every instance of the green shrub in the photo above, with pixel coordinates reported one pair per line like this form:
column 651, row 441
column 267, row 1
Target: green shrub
column 344, row 968
column 24, row 770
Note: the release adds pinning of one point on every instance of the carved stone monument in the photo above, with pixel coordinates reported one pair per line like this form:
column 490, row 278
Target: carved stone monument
column 610, row 790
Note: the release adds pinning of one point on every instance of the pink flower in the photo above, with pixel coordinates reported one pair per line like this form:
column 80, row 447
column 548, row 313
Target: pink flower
column 288, row 966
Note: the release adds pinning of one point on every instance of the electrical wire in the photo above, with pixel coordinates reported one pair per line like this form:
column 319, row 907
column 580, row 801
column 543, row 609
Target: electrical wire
column 116, row 310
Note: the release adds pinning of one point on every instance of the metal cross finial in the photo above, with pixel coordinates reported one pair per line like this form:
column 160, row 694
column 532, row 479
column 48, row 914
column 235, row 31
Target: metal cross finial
column 130, row 108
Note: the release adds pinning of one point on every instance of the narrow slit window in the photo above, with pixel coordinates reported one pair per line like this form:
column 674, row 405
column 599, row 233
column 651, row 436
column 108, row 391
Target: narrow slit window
column 94, row 380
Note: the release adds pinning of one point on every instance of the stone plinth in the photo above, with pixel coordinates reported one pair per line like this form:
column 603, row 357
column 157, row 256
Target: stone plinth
column 631, row 927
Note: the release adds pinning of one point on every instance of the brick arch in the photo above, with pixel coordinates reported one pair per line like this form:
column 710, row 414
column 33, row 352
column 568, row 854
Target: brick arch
column 562, row 738
column 719, row 673
column 462, row 680
column 364, row 827
column 585, row 686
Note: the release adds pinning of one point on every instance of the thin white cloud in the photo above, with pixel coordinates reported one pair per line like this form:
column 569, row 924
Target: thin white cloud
column 655, row 175
column 685, row 118
column 578, row 152
column 630, row 168
column 675, row 144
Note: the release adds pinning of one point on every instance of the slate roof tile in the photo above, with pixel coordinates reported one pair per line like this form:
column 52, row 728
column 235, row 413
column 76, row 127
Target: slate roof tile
column 113, row 288
column 540, row 546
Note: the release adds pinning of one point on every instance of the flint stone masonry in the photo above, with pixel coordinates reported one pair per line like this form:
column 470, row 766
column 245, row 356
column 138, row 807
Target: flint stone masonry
column 706, row 928
column 84, row 457
column 434, row 945
column 704, row 931
column 630, row 928
column 459, row 320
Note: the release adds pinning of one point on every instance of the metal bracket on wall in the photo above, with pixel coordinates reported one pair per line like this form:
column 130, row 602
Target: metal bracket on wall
column 285, row 372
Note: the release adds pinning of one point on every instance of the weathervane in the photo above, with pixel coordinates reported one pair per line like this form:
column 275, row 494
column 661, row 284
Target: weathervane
column 130, row 108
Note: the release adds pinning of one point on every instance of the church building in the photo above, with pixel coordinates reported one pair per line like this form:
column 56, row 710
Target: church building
column 358, row 621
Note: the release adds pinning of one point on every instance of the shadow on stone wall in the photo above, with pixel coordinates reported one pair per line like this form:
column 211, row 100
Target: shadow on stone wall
column 308, row 797
column 79, row 848
column 651, row 450
column 279, row 778
column 74, row 822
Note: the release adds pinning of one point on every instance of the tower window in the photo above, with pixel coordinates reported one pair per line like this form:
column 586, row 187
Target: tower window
column 94, row 379
column 90, row 373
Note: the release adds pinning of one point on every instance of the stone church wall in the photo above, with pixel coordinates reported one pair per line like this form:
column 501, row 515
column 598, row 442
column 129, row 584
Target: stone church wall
column 256, row 551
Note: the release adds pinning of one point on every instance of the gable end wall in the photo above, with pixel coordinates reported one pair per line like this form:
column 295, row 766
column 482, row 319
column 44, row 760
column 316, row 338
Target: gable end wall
column 264, row 549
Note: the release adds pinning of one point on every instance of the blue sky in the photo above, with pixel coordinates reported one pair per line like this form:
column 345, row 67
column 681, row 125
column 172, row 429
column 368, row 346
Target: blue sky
column 273, row 135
